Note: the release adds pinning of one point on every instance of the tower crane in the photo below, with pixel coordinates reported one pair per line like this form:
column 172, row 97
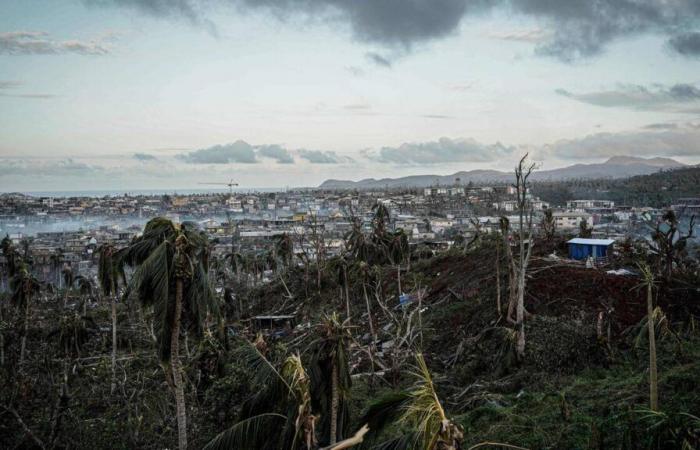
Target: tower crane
column 231, row 227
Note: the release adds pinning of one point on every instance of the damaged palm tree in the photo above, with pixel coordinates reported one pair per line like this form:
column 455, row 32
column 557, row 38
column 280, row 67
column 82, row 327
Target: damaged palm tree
column 108, row 275
column 331, row 372
column 171, row 276
column 669, row 242
column 279, row 416
column 648, row 284
column 420, row 411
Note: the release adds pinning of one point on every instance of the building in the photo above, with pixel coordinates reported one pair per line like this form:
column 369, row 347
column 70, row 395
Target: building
column 581, row 249
column 569, row 220
column 589, row 204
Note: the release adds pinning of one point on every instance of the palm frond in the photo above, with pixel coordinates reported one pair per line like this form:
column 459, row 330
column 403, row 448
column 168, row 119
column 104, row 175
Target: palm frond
column 257, row 432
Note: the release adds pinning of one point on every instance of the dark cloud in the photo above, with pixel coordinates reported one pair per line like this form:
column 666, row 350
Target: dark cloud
column 661, row 126
column 144, row 157
column 190, row 10
column 575, row 28
column 679, row 142
column 39, row 43
column 321, row 157
column 238, row 152
column 280, row 154
column 687, row 44
column 378, row 59
column 675, row 98
column 444, row 150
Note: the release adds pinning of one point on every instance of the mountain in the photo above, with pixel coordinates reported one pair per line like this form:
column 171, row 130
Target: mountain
column 615, row 167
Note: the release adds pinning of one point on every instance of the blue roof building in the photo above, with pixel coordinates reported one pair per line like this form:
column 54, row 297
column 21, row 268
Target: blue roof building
column 580, row 248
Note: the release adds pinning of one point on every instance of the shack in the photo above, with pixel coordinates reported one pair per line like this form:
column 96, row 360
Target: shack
column 581, row 248
column 273, row 322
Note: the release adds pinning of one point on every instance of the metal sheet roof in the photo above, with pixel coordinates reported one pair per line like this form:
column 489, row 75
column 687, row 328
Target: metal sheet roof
column 605, row 242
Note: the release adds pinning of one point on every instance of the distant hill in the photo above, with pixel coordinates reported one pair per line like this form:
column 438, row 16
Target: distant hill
column 615, row 167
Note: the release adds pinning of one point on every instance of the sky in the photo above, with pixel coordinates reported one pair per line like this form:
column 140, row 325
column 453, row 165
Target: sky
column 145, row 94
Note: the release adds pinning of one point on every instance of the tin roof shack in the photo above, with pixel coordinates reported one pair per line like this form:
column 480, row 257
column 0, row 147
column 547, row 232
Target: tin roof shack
column 581, row 249
column 277, row 325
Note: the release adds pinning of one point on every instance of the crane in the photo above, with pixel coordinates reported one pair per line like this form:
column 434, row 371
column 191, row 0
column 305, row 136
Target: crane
column 231, row 227
column 230, row 185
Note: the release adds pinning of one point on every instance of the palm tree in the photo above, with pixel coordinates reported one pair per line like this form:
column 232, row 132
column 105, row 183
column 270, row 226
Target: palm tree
column 285, row 249
column 108, row 276
column 24, row 286
column 584, row 230
column 331, row 367
column 236, row 260
column 85, row 288
column 68, row 278
column 364, row 272
column 398, row 251
column 339, row 266
column 420, row 410
column 357, row 243
column 648, row 283
column 669, row 242
column 171, row 276
column 285, row 402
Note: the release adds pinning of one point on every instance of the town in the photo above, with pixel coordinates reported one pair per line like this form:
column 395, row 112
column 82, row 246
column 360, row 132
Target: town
column 433, row 218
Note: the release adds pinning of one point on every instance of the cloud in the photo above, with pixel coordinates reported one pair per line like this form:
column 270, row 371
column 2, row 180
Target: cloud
column 9, row 84
column 280, row 154
column 436, row 116
column 687, row 44
column 355, row 71
column 378, row 59
column 444, row 150
column 144, row 157
column 675, row 98
column 671, row 142
column 39, row 43
column 190, row 10
column 357, row 107
column 575, row 29
column 661, row 126
column 47, row 168
column 321, row 157
column 238, row 152
column 532, row 35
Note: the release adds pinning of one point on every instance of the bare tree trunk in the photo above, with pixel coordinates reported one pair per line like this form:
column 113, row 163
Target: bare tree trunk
column 498, row 280
column 653, row 375
column 520, row 314
column 369, row 316
column 2, row 342
column 23, row 347
column 176, row 369
column 114, row 342
column 334, row 405
column 347, row 293
column 398, row 277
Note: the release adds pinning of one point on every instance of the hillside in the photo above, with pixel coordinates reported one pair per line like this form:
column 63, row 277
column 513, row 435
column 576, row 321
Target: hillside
column 659, row 189
column 615, row 167
column 583, row 383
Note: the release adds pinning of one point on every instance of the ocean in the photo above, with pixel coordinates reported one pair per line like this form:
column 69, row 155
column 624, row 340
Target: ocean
column 137, row 192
